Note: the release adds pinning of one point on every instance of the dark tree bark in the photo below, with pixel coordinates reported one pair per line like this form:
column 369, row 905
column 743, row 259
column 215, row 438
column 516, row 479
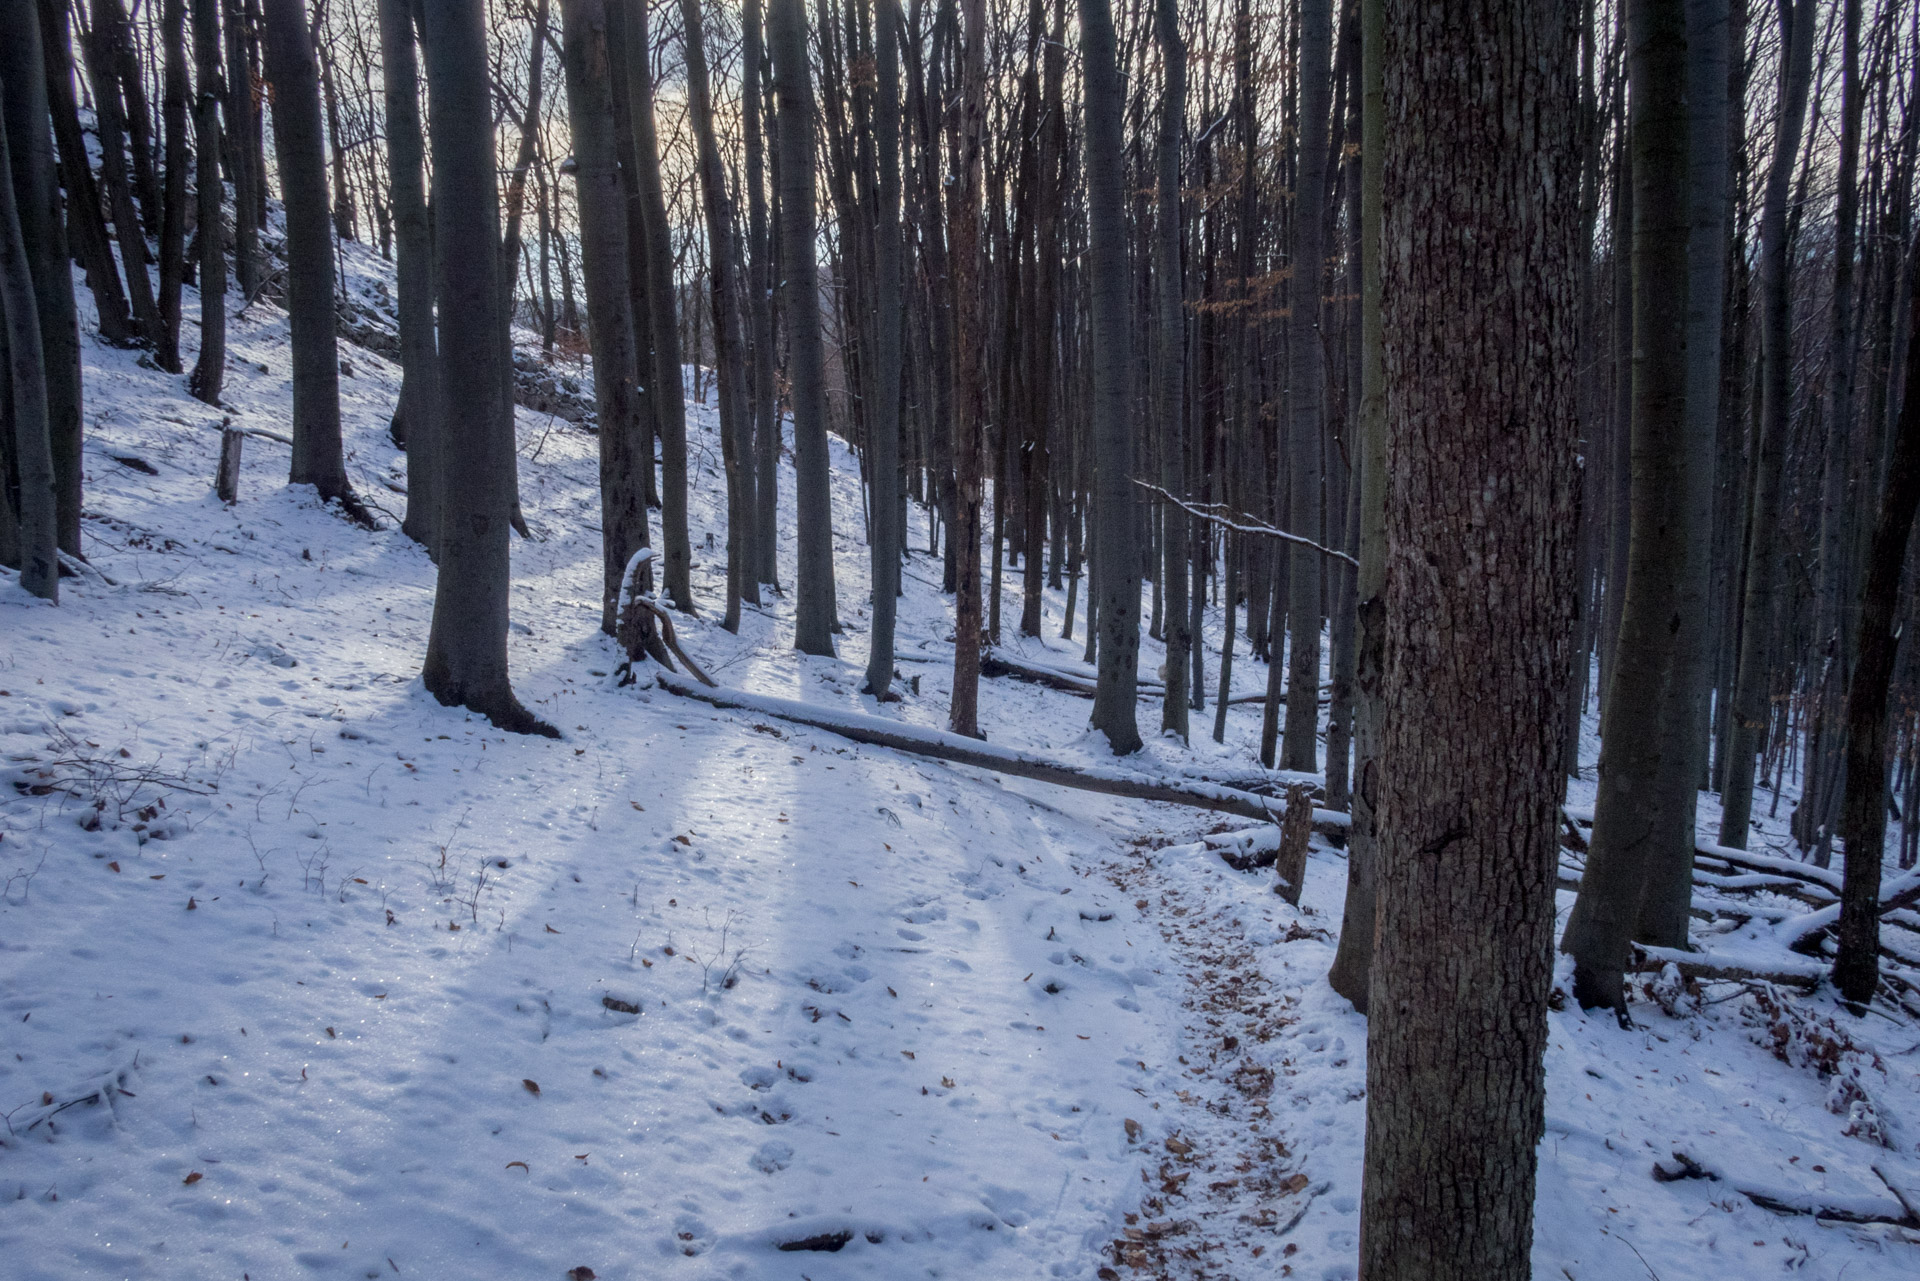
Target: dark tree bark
column 37, row 545
column 109, row 39
column 624, row 438
column 760, row 286
column 1048, row 201
column 1645, row 804
column 175, row 90
column 968, row 286
column 86, row 226
column 1482, row 299
column 344, row 222
column 1863, row 816
column 729, row 340
column 669, row 393
column 1351, row 975
column 1299, row 748
column 243, row 153
column 1110, row 328
column 1170, row 355
column 466, row 662
column 298, row 143
column 793, row 84
column 416, row 415
column 1751, row 706
column 888, row 534
column 210, row 370
column 24, row 68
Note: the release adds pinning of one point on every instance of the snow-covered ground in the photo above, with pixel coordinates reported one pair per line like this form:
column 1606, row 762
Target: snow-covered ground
column 302, row 974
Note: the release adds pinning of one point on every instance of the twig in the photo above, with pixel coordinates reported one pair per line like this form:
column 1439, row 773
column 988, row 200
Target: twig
column 1245, row 524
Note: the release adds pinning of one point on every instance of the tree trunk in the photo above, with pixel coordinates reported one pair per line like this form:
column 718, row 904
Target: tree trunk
column 669, row 393
column 298, row 145
column 1751, row 704
column 416, row 421
column 1299, row 748
column 888, row 533
column 24, row 70
column 1351, row 975
column 1863, row 822
column 728, row 340
column 968, row 286
column 249, row 175
column 760, row 285
column 1645, row 803
column 624, row 437
column 210, row 370
column 32, row 455
column 1171, row 356
column 806, row 377
column 173, row 202
column 104, row 48
column 1482, row 301
column 1110, row 329
column 466, row 662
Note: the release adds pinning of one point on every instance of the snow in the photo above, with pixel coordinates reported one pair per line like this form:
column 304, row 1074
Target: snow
column 302, row 974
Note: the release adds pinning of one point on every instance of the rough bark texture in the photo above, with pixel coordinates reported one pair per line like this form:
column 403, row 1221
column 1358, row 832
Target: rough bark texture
column 1645, row 804
column 1863, row 815
column 806, row 376
column 623, row 436
column 1481, row 306
column 210, row 369
column 467, row 647
column 1170, row 356
column 416, row 415
column 887, row 531
column 1110, row 323
column 1750, row 706
column 298, row 141
column 1351, row 975
column 37, row 544
column 967, row 290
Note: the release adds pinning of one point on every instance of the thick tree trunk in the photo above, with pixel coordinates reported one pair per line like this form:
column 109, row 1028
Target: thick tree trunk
column 624, row 437
column 806, row 376
column 669, row 393
column 24, row 69
column 1351, row 975
column 318, row 458
column 1645, row 804
column 888, row 532
column 760, row 285
column 1299, row 747
column 466, row 662
column 1482, row 300
column 1171, row 356
column 968, row 288
column 176, row 88
column 37, row 544
column 1863, row 822
column 210, row 370
column 1751, row 706
column 1110, row 328
column 416, row 417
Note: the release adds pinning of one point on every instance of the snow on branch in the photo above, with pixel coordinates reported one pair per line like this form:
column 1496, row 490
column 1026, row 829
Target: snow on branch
column 1241, row 523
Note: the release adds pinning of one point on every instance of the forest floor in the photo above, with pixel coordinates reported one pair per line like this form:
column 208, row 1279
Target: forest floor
column 302, row 974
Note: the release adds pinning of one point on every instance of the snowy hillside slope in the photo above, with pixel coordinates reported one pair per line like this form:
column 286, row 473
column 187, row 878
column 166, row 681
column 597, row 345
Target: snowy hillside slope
column 302, row 974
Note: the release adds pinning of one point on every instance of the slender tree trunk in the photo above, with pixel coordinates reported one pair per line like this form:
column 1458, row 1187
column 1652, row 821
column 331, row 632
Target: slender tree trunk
column 104, row 48
column 210, row 370
column 173, row 204
column 1863, row 823
column 32, row 454
column 86, row 226
column 318, row 458
column 967, row 278
column 1645, row 804
column 1299, row 749
column 793, row 84
column 416, row 419
column 1482, row 367
column 249, row 176
column 1116, row 551
column 24, row 72
column 624, row 435
column 466, row 662
column 729, row 341
column 883, row 411
column 1751, row 704
column 1171, row 356
column 760, row 285
column 669, row 393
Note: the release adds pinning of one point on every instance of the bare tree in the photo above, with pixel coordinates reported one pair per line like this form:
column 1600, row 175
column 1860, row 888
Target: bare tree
column 210, row 370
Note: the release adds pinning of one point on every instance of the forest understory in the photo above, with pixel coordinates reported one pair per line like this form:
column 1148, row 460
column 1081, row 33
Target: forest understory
column 304, row 974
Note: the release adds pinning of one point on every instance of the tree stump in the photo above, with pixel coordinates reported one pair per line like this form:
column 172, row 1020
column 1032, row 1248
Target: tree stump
column 226, row 480
column 1296, row 826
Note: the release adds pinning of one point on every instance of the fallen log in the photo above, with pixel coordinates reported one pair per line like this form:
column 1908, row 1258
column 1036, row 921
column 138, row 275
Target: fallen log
column 1788, row 1201
column 876, row 731
column 1707, row 965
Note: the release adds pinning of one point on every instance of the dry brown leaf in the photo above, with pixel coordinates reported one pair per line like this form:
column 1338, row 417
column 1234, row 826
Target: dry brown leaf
column 193, row 1178
column 533, row 1087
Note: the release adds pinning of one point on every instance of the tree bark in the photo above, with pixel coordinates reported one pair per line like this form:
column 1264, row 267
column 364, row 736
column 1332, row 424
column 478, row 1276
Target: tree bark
column 243, row 153
column 968, row 286
column 1171, row 357
column 32, row 454
column 1863, row 822
column 466, row 663
column 176, row 87
column 415, row 425
column 104, row 47
column 1751, row 706
column 1110, row 329
column 1481, row 270
column 806, row 377
column 888, row 533
column 210, row 369
column 760, row 285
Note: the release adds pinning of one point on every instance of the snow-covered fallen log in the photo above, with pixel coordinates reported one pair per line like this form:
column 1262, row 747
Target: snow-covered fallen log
column 1781, row 970
column 1826, row 1204
column 877, row 731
